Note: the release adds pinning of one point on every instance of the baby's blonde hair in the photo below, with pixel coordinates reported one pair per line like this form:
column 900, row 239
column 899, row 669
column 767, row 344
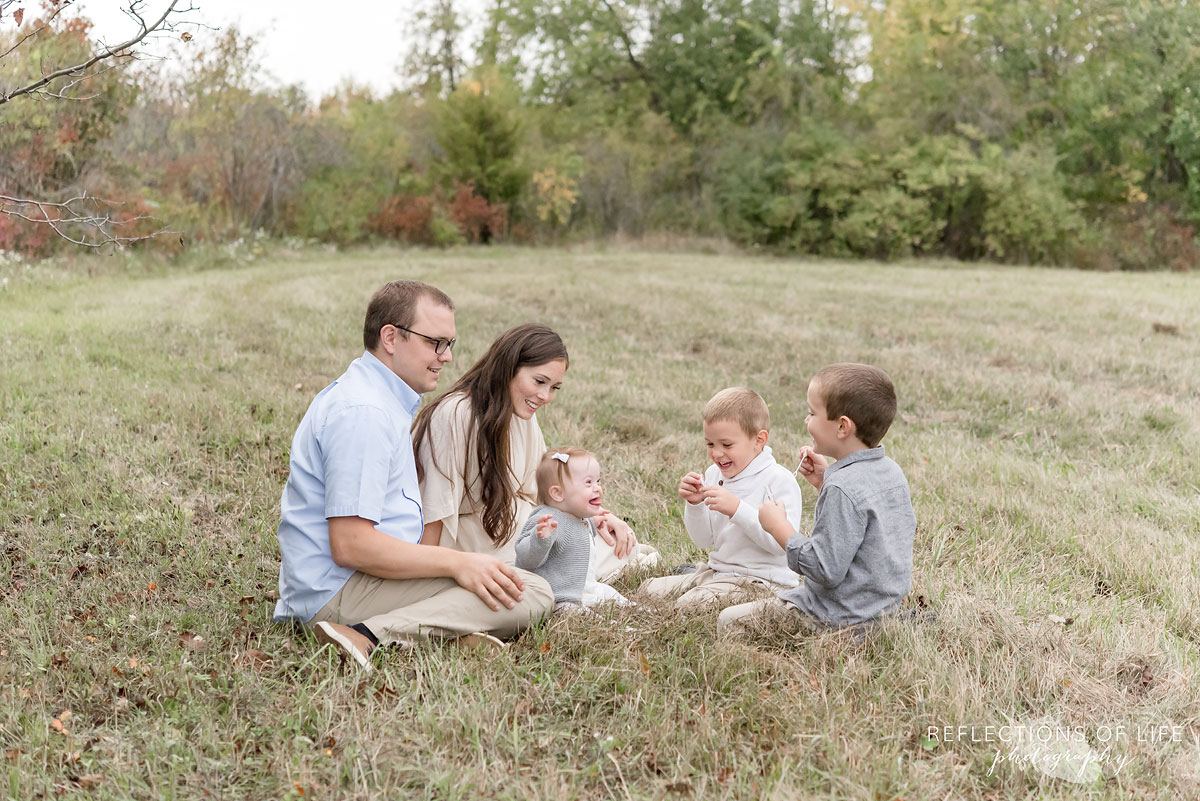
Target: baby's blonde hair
column 551, row 471
column 740, row 405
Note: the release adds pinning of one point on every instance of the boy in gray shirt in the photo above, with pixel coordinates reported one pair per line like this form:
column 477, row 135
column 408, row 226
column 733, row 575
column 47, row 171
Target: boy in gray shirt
column 857, row 565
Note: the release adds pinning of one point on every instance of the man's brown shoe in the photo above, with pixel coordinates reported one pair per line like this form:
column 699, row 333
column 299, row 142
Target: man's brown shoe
column 346, row 640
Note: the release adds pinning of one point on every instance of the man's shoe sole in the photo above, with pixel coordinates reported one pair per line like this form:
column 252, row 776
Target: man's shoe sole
column 480, row 639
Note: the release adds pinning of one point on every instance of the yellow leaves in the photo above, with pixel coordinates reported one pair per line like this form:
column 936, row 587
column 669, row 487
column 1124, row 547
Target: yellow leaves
column 555, row 195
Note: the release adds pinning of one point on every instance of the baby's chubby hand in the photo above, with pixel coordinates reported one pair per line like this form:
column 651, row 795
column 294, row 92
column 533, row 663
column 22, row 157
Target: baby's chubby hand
column 720, row 500
column 690, row 486
column 545, row 526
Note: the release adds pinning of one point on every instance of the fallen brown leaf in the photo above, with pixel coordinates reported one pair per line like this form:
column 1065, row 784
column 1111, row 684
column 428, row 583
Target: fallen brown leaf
column 89, row 781
column 257, row 659
column 192, row 642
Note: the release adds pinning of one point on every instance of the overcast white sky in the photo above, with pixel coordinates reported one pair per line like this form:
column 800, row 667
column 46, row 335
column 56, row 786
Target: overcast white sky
column 316, row 44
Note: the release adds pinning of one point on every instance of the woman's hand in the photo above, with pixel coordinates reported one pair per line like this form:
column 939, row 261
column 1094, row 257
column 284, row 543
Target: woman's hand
column 616, row 532
column 495, row 582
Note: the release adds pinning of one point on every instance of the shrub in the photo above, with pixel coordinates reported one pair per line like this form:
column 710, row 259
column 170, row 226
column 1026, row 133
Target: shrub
column 404, row 217
column 477, row 220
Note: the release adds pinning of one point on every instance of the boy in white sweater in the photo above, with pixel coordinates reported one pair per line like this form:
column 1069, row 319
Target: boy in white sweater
column 722, row 507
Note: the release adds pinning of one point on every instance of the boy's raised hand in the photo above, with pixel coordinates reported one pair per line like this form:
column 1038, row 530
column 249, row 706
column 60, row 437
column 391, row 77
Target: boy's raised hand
column 772, row 516
column 690, row 486
column 545, row 526
column 720, row 500
column 812, row 467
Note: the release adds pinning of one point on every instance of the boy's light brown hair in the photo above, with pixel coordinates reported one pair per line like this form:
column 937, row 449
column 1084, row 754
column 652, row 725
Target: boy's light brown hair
column 741, row 405
column 861, row 392
column 551, row 471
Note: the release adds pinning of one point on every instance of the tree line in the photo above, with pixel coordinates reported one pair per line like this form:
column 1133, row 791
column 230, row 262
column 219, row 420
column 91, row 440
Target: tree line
column 1010, row 130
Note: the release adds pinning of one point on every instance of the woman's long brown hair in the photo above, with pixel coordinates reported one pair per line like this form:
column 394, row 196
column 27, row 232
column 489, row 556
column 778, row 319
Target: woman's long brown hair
column 486, row 386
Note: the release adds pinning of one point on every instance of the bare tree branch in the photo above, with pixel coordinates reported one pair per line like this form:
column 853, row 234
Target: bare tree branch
column 61, row 94
column 97, row 226
column 115, row 51
column 85, row 220
column 36, row 30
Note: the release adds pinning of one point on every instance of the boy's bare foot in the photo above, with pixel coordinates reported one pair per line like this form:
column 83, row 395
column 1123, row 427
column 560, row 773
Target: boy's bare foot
column 347, row 641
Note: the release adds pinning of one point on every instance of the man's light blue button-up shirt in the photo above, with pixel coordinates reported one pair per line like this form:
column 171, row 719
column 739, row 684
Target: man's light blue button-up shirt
column 352, row 456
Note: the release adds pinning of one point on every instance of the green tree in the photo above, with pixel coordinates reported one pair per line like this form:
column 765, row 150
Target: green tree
column 479, row 131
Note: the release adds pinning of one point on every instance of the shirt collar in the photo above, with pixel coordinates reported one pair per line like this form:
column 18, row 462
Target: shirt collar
column 866, row 455
column 409, row 399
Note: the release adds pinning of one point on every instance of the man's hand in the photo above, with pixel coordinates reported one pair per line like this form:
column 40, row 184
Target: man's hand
column 495, row 582
column 720, row 500
column 545, row 526
column 616, row 532
column 772, row 516
column 690, row 486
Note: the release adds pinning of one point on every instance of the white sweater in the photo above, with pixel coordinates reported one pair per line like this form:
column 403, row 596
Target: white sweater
column 739, row 544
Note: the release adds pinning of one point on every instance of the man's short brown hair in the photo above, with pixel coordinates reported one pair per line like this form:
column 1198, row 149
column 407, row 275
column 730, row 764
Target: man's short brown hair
column 861, row 392
column 395, row 303
column 741, row 405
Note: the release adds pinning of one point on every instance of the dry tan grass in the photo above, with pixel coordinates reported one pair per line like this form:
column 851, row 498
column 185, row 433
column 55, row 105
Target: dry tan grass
column 1047, row 427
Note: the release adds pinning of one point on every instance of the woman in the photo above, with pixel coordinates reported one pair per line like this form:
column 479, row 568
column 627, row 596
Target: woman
column 478, row 447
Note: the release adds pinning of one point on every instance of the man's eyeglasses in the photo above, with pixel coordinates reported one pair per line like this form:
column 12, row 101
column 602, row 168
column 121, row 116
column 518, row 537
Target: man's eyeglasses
column 440, row 345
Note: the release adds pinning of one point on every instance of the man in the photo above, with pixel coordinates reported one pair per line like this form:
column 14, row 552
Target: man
column 351, row 512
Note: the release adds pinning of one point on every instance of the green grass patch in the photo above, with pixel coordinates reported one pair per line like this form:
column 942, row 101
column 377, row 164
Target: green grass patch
column 1048, row 431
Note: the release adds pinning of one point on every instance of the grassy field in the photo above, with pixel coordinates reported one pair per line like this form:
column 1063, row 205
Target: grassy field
column 1049, row 428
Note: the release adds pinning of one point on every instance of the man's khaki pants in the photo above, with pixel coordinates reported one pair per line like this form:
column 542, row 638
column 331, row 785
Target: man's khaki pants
column 405, row 610
column 705, row 586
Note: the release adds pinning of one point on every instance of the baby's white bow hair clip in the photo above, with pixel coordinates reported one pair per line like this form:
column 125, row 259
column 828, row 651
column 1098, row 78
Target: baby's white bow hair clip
column 562, row 457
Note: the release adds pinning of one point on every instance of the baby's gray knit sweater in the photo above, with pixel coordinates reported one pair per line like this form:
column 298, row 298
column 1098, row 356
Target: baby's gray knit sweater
column 562, row 558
